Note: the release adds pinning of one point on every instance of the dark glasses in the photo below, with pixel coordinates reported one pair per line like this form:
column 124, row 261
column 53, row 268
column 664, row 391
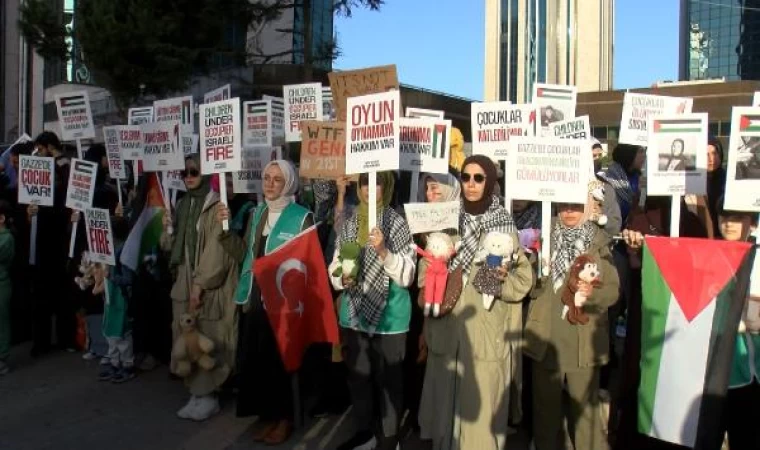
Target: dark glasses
column 190, row 173
column 478, row 177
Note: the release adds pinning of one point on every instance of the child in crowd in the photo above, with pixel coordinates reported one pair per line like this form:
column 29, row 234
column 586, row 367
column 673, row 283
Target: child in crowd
column 116, row 329
column 7, row 246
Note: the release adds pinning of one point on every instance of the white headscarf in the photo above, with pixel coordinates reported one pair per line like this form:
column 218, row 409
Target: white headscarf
column 287, row 196
column 448, row 184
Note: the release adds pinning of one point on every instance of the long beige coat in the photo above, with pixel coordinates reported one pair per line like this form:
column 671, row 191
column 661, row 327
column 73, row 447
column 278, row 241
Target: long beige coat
column 217, row 275
column 465, row 398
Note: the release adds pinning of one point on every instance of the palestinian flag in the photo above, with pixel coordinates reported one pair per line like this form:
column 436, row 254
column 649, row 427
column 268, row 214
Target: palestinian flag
column 555, row 93
column 257, row 108
column 693, row 293
column 439, row 141
column 146, row 232
column 678, row 126
column 749, row 122
column 72, row 101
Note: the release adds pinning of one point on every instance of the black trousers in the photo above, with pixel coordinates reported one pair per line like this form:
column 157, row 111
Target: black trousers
column 53, row 298
column 375, row 378
column 742, row 417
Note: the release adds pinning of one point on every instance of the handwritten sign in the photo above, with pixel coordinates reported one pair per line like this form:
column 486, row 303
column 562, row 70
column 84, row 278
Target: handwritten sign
column 75, row 116
column 639, row 108
column 422, row 113
column 354, row 83
column 323, row 150
column 677, row 155
column 424, row 145
column 556, row 103
column 248, row 179
column 113, row 152
column 302, row 102
column 160, row 142
column 220, row 128
column 372, row 133
column 544, row 169
column 495, row 123
column 429, row 217
column 81, row 187
column 743, row 169
column 36, row 180
column 139, row 116
column 577, row 128
column 100, row 236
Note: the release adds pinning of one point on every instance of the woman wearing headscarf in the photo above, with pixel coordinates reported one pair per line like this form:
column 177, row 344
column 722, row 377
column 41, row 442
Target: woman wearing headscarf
column 374, row 313
column 264, row 387
column 204, row 285
column 716, row 180
column 569, row 350
column 466, row 398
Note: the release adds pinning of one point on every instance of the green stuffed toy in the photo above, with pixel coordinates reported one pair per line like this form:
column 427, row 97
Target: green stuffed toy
column 349, row 260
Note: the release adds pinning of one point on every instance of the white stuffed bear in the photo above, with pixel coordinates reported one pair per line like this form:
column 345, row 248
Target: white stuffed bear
column 596, row 196
column 498, row 251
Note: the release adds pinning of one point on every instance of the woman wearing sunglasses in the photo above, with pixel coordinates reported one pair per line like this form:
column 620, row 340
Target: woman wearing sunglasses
column 205, row 282
column 472, row 384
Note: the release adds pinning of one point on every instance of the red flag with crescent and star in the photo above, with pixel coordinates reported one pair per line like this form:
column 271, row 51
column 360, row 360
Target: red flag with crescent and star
column 296, row 294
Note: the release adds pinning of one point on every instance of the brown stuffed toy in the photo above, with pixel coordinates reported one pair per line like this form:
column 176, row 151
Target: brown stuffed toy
column 583, row 270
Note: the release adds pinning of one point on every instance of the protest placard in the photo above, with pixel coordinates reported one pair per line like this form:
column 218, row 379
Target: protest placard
column 756, row 99
column 277, row 108
column 557, row 103
column 354, row 83
column 190, row 144
column 323, row 150
column 547, row 169
column 217, row 95
column 100, row 236
column 36, row 180
column 639, row 108
column 113, row 152
column 160, row 142
column 173, row 179
column 743, row 168
column 576, row 128
column 302, row 102
column 372, row 133
column 130, row 142
column 495, row 123
column 257, row 123
column 430, row 217
column 328, row 108
column 248, row 179
column 677, row 155
column 424, row 145
column 421, row 113
column 75, row 116
column 179, row 109
column 220, row 128
column 81, row 187
column 139, row 116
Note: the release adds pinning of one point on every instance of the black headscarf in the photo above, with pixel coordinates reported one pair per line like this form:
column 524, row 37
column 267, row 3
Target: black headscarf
column 489, row 168
column 625, row 154
column 716, row 184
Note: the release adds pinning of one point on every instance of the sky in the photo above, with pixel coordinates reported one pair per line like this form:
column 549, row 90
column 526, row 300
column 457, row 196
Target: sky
column 438, row 44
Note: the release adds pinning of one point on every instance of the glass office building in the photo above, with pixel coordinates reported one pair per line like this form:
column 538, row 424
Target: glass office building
column 321, row 32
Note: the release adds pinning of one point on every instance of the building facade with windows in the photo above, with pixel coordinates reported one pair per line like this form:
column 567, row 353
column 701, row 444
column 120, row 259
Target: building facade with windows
column 567, row 42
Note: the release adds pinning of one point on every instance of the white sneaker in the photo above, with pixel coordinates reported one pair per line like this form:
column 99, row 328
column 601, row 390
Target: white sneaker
column 89, row 356
column 205, row 407
column 184, row 413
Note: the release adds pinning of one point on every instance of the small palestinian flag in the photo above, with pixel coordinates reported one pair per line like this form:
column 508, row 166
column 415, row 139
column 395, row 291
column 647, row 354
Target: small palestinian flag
column 187, row 117
column 749, row 123
column 692, row 299
column 555, row 93
column 678, row 126
column 72, row 101
column 257, row 109
column 439, row 141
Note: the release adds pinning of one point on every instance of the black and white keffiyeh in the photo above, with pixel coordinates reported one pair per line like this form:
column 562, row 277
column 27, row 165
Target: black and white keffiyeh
column 618, row 179
column 473, row 227
column 369, row 296
column 530, row 218
column 567, row 245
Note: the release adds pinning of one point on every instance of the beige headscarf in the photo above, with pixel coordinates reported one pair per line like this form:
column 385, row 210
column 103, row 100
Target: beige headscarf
column 447, row 183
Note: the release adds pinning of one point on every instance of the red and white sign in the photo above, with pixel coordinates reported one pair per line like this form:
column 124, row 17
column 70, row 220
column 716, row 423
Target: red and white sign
column 424, row 145
column 178, row 109
column 130, row 142
column 220, row 136
column 113, row 152
column 495, row 123
column 75, row 116
column 100, row 236
column 81, row 188
column 36, row 180
column 161, row 151
column 373, row 132
column 222, row 93
column 248, row 179
column 302, row 102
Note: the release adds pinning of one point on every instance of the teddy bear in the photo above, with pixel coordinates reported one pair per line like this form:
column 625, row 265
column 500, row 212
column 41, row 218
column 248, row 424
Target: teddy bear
column 438, row 251
column 584, row 271
column 596, row 198
column 348, row 256
column 498, row 251
column 191, row 347
column 87, row 269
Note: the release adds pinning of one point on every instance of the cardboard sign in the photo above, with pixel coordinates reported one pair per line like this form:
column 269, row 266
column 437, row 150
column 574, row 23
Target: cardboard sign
column 553, row 170
column 354, row 83
column 221, row 143
column 219, row 94
column 139, row 116
column 173, row 179
column 75, row 116
column 130, row 141
column 743, row 169
column 422, row 113
column 248, row 180
column 577, row 128
column 323, row 150
column 677, row 155
column 190, row 144
column 639, row 108
column 430, row 217
column 495, row 123
column 302, row 102
column 160, row 142
column 372, row 133
column 557, row 103
column 424, row 145
column 36, row 180
column 113, row 152
column 328, row 108
column 100, row 236
column 81, row 186
column 178, row 109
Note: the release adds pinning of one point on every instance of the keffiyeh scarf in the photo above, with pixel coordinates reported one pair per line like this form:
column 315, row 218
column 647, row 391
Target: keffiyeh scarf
column 472, row 227
column 530, row 218
column 568, row 244
column 618, row 179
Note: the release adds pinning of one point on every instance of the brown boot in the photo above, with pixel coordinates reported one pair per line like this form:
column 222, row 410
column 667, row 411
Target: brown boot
column 280, row 433
column 263, row 430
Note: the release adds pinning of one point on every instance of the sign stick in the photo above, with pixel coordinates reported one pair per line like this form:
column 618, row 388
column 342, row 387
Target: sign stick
column 675, row 216
column 546, row 233
column 167, row 205
column 33, row 242
column 372, row 200
column 118, row 190
column 73, row 239
column 415, row 186
column 173, row 197
column 79, row 149
column 223, row 195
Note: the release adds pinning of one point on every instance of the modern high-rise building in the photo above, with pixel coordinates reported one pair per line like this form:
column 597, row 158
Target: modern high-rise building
column 719, row 39
column 566, row 42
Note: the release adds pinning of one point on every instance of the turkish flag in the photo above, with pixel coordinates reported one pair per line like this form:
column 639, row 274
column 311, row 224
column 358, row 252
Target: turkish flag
column 296, row 294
